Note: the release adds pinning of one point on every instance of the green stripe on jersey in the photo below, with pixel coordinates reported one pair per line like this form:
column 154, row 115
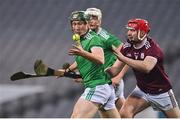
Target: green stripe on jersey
column 90, row 93
column 109, row 40
column 92, row 74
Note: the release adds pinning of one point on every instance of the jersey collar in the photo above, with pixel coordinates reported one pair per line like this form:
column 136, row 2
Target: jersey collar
column 141, row 45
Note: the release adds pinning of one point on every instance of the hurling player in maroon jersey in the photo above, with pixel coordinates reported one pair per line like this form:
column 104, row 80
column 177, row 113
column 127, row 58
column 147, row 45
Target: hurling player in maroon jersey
column 145, row 57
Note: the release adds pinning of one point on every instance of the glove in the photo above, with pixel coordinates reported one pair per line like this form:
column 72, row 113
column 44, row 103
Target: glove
column 72, row 74
column 41, row 69
column 68, row 73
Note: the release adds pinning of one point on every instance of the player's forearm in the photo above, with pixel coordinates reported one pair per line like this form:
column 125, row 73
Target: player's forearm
column 114, row 70
column 122, row 72
column 96, row 58
column 136, row 64
column 73, row 66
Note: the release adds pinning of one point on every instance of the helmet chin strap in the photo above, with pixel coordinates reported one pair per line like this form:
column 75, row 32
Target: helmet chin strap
column 141, row 38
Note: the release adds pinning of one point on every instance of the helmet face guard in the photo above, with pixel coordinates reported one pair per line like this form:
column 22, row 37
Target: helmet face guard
column 139, row 25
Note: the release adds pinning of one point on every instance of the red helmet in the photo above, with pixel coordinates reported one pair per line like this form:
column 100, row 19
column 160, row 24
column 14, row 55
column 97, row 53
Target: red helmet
column 139, row 24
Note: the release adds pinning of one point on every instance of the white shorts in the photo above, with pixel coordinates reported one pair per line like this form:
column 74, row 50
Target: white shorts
column 164, row 101
column 102, row 94
column 119, row 90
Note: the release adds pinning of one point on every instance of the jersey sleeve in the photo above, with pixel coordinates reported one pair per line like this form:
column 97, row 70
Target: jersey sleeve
column 124, row 48
column 113, row 41
column 155, row 52
column 96, row 41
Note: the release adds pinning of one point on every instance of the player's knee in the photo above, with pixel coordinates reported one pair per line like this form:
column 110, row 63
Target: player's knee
column 126, row 113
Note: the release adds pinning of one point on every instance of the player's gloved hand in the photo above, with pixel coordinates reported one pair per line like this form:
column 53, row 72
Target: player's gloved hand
column 64, row 69
column 71, row 74
column 60, row 73
column 66, row 72
column 41, row 69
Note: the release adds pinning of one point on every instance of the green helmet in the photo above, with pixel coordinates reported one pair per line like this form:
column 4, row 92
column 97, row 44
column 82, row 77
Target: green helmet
column 79, row 16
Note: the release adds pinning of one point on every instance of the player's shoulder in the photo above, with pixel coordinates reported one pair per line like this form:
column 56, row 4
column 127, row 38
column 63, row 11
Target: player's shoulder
column 126, row 45
column 148, row 44
column 94, row 38
column 104, row 34
column 151, row 43
column 107, row 35
column 91, row 35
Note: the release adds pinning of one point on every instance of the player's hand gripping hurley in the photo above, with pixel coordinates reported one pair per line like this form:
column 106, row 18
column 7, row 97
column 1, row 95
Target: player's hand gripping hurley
column 42, row 70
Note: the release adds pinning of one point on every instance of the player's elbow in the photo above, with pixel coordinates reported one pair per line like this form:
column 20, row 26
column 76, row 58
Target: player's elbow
column 149, row 64
column 147, row 69
column 101, row 61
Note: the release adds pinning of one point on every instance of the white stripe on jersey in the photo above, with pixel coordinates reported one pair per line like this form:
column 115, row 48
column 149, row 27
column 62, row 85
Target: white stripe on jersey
column 126, row 45
column 88, row 36
column 147, row 45
column 103, row 33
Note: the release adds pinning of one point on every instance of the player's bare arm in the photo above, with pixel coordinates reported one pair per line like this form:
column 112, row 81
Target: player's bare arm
column 145, row 65
column 116, row 79
column 96, row 55
column 60, row 72
column 73, row 67
column 115, row 69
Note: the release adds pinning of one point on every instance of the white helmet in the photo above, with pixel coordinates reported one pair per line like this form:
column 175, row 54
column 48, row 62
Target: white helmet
column 94, row 12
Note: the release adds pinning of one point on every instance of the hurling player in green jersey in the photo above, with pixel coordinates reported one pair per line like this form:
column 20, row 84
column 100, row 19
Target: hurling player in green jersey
column 109, row 39
column 89, row 60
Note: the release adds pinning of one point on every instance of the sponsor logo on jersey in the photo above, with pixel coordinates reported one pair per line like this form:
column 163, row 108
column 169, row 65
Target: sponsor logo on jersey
column 136, row 55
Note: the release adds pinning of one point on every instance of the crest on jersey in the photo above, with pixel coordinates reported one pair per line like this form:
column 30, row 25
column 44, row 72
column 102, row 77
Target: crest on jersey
column 129, row 55
column 142, row 56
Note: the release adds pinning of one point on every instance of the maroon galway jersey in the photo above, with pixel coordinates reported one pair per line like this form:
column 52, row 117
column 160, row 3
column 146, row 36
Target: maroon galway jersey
column 156, row 81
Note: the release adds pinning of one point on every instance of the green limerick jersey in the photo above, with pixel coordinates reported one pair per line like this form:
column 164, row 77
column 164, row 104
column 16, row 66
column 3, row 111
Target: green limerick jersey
column 92, row 74
column 109, row 40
